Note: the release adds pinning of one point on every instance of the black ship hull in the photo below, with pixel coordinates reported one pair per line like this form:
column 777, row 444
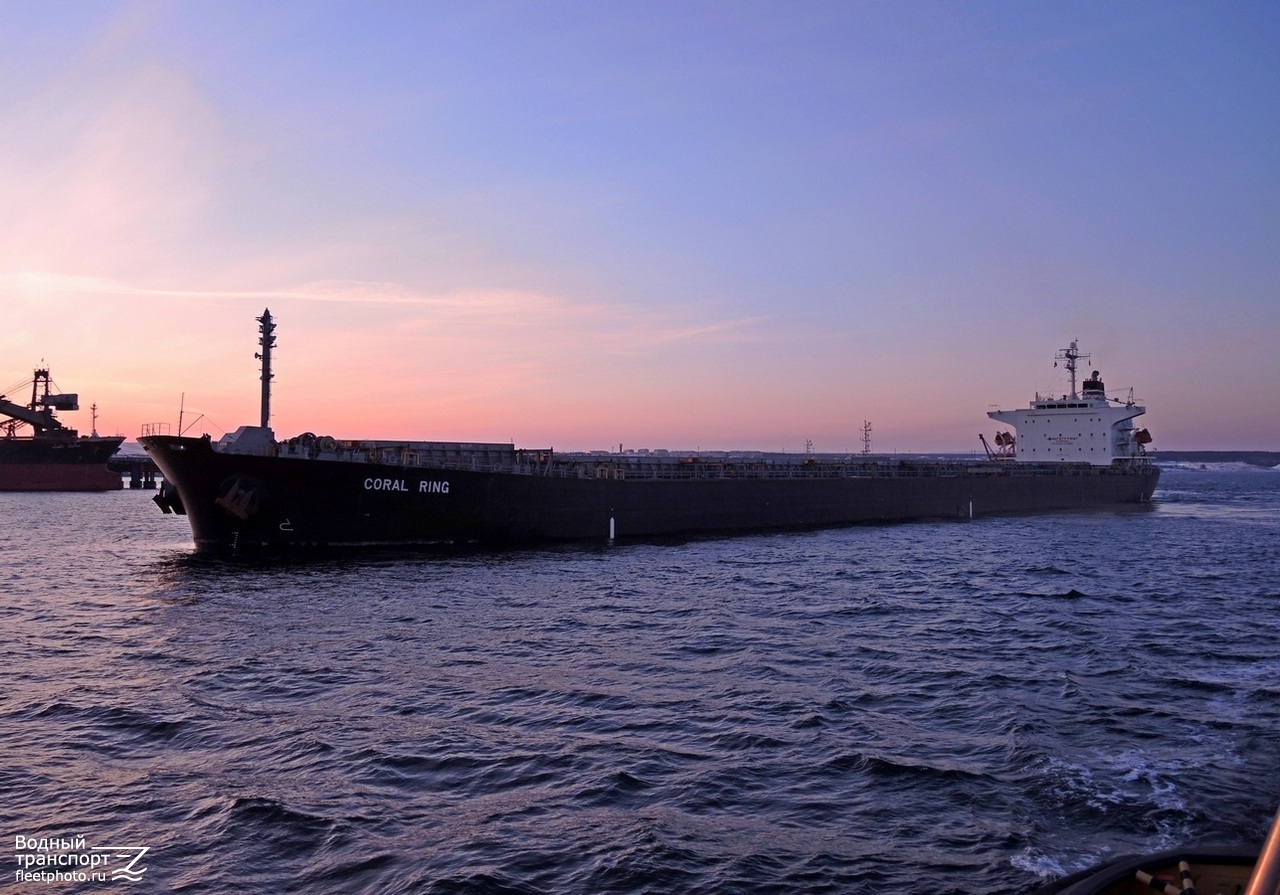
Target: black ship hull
column 57, row 463
column 243, row 501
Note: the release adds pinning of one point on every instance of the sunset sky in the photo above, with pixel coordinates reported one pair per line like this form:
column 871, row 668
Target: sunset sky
column 683, row 225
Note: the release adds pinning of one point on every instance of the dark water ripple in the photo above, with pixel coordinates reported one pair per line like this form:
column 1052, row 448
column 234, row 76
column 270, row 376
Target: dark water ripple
column 963, row 707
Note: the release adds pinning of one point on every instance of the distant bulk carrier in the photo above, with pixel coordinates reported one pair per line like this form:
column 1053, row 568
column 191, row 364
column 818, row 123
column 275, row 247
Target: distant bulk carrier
column 52, row 457
column 249, row 490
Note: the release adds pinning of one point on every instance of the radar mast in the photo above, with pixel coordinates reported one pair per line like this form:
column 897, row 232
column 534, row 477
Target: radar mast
column 268, row 340
column 1070, row 356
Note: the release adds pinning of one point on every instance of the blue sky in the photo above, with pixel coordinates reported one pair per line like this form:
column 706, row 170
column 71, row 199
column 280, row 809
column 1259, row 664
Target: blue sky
column 663, row 224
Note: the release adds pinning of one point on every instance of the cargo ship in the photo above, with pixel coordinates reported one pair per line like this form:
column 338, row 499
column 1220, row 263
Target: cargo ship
column 51, row 457
column 250, row 490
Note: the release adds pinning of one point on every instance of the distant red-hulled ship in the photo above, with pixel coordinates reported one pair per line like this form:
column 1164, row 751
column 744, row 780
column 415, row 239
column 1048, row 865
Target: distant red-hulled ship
column 51, row 457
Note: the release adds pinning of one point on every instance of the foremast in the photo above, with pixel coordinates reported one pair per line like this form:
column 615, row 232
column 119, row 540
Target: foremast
column 267, row 340
column 258, row 440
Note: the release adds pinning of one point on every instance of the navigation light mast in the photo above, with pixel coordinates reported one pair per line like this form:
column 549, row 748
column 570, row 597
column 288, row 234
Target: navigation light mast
column 268, row 341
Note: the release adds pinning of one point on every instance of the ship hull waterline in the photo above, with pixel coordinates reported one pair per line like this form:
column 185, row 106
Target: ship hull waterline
column 242, row 501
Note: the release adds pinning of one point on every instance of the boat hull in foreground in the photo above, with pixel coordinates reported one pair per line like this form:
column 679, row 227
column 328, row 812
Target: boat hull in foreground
column 1213, row 869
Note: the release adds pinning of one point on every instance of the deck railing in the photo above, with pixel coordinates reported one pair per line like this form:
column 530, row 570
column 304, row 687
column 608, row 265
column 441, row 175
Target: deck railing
column 676, row 467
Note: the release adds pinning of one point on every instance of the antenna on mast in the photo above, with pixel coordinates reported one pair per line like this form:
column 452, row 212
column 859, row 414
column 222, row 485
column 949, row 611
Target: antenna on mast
column 1070, row 355
column 268, row 340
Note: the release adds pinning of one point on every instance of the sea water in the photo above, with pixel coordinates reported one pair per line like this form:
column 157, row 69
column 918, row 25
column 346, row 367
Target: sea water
column 966, row 707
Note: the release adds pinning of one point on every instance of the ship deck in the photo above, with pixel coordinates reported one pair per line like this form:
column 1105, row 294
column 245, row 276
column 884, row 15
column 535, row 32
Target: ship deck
column 669, row 465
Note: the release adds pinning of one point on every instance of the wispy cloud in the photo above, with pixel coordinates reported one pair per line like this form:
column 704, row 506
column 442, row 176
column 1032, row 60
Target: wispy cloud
column 620, row 325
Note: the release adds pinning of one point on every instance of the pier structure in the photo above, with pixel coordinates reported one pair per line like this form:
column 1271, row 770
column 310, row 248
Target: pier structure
column 142, row 471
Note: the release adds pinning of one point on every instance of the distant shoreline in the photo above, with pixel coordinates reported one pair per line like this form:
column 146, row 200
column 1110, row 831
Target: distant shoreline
column 1253, row 458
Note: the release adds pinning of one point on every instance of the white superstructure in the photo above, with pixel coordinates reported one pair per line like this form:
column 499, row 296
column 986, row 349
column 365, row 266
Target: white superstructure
column 1083, row 427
